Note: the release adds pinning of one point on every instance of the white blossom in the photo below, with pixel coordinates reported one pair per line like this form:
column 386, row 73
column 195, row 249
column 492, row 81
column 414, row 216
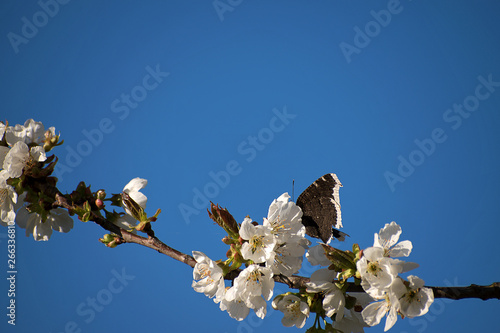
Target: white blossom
column 253, row 286
column 31, row 132
column 208, row 277
column 377, row 271
column 260, row 242
column 19, row 156
column 287, row 258
column 255, row 280
column 284, row 218
column 284, row 222
column 334, row 300
column 416, row 299
column 58, row 219
column 388, row 306
column 132, row 189
column 8, row 198
column 294, row 309
column 374, row 313
column 236, row 307
column 387, row 238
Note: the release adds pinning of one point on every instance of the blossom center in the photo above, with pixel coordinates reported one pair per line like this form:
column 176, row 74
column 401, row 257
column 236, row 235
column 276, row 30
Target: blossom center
column 254, row 277
column 205, row 271
column 293, row 308
column 257, row 243
column 412, row 296
column 29, row 162
column 278, row 225
column 373, row 268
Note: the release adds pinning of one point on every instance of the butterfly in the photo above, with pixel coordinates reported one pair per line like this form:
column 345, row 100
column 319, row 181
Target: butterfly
column 320, row 204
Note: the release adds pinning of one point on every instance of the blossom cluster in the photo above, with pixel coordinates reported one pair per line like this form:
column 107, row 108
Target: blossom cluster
column 380, row 279
column 334, row 300
column 23, row 161
column 386, row 293
column 21, row 148
column 275, row 247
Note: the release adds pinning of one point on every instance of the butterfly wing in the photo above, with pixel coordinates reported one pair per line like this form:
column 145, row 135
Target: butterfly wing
column 320, row 204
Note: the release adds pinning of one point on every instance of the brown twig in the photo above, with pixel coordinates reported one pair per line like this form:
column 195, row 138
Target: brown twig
column 151, row 241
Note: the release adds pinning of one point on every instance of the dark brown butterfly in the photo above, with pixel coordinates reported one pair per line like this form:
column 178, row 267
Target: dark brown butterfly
column 320, row 204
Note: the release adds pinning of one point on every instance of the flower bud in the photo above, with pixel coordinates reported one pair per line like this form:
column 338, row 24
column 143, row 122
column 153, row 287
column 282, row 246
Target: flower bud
column 51, row 139
column 228, row 241
column 99, row 204
column 101, row 194
column 111, row 240
column 106, row 238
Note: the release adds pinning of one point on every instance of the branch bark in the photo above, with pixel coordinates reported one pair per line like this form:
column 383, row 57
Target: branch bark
column 473, row 291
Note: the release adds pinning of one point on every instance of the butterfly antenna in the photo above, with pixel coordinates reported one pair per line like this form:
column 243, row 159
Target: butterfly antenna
column 293, row 190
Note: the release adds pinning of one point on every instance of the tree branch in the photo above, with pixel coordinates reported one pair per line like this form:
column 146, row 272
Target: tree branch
column 151, row 241
column 299, row 282
column 473, row 291
column 295, row 282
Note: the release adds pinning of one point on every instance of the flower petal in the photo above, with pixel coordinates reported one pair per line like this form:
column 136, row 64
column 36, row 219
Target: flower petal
column 401, row 249
column 42, row 230
column 389, row 234
column 16, row 158
column 374, row 312
column 391, row 319
column 38, row 153
column 236, row 309
column 135, row 184
column 60, row 220
column 247, row 229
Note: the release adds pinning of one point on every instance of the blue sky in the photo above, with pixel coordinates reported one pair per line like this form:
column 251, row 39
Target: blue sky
column 399, row 99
